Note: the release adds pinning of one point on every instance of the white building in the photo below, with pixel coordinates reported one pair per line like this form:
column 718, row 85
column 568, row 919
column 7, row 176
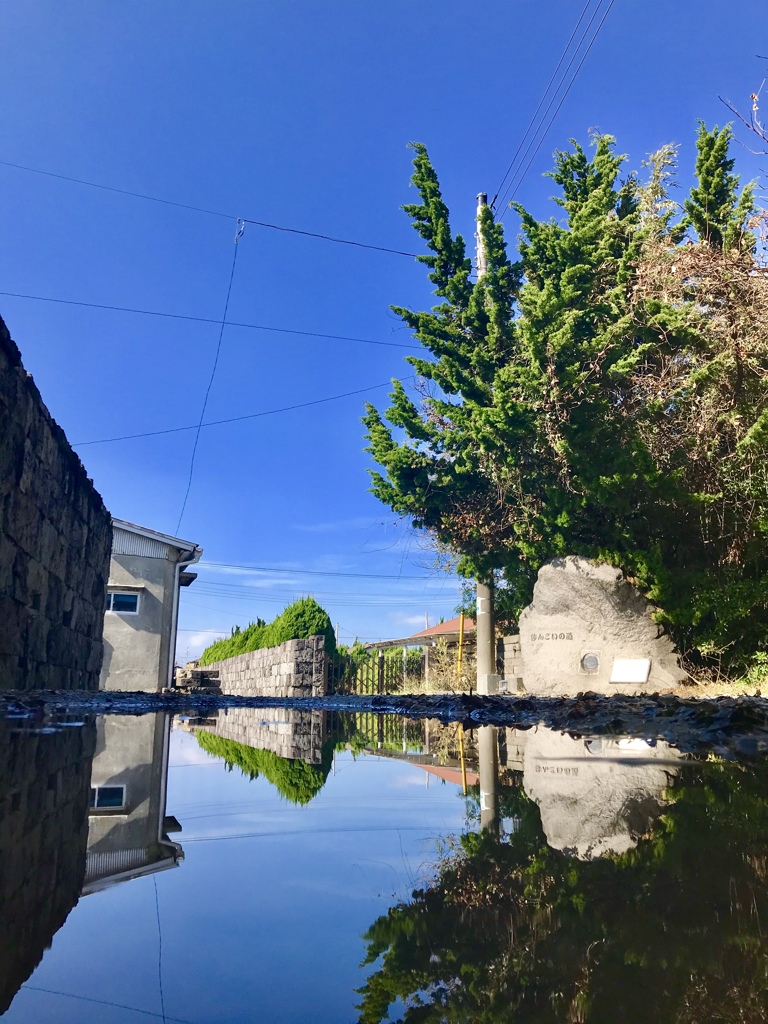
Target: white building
column 146, row 573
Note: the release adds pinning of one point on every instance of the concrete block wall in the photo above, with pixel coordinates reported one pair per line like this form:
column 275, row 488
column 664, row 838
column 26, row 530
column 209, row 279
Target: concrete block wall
column 55, row 540
column 284, row 731
column 296, row 668
column 513, row 663
column 45, row 781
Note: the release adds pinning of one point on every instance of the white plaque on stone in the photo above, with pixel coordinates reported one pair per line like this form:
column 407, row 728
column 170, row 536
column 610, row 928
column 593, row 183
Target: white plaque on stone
column 631, row 670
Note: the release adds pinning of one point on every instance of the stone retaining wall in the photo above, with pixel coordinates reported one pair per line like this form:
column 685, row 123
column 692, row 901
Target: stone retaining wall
column 55, row 540
column 283, row 731
column 296, row 668
column 44, row 789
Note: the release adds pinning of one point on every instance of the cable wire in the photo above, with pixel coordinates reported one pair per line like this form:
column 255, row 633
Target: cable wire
column 210, row 382
column 159, row 951
column 209, row 320
column 514, row 187
column 237, row 419
column 210, row 213
column 103, row 1002
column 541, row 101
column 312, row 572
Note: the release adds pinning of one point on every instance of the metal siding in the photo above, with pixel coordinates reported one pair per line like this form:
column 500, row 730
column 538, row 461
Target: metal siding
column 112, row 862
column 125, row 543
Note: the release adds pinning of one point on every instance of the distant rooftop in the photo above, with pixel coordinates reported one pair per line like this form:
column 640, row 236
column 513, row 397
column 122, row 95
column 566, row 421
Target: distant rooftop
column 449, row 630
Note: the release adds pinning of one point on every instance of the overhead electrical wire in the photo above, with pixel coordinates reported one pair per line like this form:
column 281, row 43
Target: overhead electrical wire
column 519, row 174
column 210, row 379
column 210, row 213
column 541, row 101
column 315, row 572
column 209, row 320
column 562, row 101
column 237, row 419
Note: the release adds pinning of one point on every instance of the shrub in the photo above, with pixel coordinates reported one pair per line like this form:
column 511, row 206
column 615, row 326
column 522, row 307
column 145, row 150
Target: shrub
column 300, row 620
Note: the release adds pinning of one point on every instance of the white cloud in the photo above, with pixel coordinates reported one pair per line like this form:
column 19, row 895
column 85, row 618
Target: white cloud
column 190, row 646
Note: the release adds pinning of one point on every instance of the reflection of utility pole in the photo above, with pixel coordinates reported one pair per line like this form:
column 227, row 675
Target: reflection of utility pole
column 487, row 680
column 488, row 753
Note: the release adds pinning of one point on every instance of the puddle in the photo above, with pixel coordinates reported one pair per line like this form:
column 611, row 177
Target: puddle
column 289, row 866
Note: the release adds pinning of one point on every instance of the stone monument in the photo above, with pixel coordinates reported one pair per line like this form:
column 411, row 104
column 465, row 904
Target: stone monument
column 588, row 628
column 597, row 797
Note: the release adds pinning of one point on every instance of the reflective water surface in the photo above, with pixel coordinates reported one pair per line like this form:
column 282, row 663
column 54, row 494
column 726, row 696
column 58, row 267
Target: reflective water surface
column 272, row 865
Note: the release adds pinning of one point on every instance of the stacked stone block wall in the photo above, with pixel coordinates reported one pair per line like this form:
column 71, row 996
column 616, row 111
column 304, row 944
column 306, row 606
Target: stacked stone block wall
column 44, row 789
column 55, row 541
column 283, row 731
column 296, row 668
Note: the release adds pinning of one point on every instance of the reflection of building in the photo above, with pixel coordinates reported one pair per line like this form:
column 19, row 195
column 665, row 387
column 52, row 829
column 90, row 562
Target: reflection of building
column 43, row 829
column 128, row 828
column 596, row 796
column 145, row 574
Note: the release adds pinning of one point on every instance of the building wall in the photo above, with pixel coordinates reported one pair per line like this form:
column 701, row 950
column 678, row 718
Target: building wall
column 136, row 647
column 296, row 668
column 44, row 790
column 131, row 751
column 55, row 539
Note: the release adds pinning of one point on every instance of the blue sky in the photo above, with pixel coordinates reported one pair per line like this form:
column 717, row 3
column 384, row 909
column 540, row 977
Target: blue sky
column 297, row 113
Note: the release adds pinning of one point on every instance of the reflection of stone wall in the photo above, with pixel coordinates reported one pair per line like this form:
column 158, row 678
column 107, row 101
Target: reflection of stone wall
column 55, row 537
column 283, row 731
column 596, row 796
column 297, row 668
column 44, row 790
column 581, row 608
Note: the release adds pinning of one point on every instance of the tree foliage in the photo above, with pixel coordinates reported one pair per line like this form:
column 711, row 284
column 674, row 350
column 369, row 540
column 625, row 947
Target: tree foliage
column 296, row 780
column 299, row 621
column 514, row 931
column 560, row 395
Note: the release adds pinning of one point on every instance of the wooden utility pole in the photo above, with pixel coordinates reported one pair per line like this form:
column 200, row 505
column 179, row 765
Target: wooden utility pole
column 487, row 680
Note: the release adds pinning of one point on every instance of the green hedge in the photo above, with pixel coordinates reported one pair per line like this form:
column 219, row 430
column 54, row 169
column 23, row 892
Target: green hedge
column 300, row 620
column 296, row 780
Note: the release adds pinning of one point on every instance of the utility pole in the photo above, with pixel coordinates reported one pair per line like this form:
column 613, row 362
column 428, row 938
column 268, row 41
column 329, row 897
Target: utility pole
column 487, row 680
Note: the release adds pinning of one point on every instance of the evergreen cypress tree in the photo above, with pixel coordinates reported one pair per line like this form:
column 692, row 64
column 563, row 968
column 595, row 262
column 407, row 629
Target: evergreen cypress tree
column 580, row 401
column 713, row 209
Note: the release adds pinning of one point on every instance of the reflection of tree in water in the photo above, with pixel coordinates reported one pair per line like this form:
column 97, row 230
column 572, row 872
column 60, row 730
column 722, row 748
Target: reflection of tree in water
column 671, row 931
column 296, row 780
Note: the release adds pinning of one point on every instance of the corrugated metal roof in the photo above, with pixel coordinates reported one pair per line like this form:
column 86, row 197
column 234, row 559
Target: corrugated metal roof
column 125, row 542
column 112, row 862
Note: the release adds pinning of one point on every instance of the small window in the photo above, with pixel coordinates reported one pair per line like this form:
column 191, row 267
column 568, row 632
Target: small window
column 107, row 798
column 125, row 604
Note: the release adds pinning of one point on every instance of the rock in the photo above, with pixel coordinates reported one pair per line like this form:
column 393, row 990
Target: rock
column 597, row 797
column 588, row 629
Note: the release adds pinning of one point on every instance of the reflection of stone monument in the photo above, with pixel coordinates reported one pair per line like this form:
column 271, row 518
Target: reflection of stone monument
column 44, row 784
column 127, row 833
column 596, row 796
column 587, row 628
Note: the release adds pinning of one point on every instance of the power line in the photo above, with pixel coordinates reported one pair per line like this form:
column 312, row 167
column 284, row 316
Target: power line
column 337, row 830
column 237, row 419
column 330, row 238
column 541, row 101
column 210, row 380
column 207, row 320
column 159, row 951
column 312, row 572
column 210, row 213
column 103, row 1002
column 517, row 178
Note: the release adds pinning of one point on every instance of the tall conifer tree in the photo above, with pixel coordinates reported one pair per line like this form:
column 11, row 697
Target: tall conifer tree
column 535, row 432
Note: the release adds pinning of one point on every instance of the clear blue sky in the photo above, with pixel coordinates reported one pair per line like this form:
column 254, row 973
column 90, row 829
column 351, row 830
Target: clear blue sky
column 297, row 113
